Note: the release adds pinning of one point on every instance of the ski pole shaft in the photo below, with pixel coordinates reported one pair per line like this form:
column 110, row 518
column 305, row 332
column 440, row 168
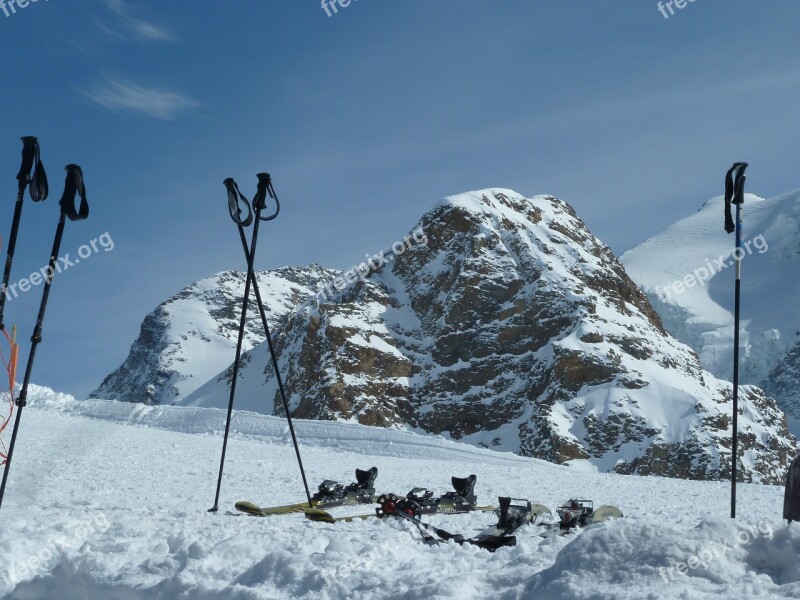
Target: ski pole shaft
column 9, row 456
column 12, row 244
column 737, row 309
column 242, row 323
column 252, row 276
column 734, row 194
column 73, row 185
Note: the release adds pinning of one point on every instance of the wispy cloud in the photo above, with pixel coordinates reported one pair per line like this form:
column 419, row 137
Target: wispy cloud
column 131, row 28
column 124, row 96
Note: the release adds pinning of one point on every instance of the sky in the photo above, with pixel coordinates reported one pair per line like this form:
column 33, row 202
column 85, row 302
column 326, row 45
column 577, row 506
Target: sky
column 365, row 119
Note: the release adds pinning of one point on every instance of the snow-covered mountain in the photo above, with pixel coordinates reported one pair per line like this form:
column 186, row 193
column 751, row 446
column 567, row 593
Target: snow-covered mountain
column 192, row 336
column 511, row 327
column 686, row 271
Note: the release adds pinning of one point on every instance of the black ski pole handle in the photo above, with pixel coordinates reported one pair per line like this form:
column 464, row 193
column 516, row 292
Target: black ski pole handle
column 734, row 192
column 29, row 144
column 738, row 196
column 235, row 200
column 74, row 186
column 32, row 165
column 260, row 199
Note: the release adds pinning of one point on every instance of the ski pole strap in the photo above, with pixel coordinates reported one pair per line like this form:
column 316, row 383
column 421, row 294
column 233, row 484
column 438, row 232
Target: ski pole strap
column 31, row 161
column 235, row 200
column 260, row 199
column 734, row 192
column 74, row 186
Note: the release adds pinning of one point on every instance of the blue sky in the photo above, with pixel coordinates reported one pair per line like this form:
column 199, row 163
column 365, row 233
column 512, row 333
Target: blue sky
column 365, row 119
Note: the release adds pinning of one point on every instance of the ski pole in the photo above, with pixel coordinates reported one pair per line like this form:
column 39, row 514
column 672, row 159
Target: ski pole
column 259, row 201
column 72, row 186
column 734, row 194
column 234, row 198
column 32, row 173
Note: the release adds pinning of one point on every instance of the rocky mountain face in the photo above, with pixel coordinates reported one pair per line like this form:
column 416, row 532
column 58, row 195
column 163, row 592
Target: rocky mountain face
column 502, row 321
column 192, row 336
column 783, row 383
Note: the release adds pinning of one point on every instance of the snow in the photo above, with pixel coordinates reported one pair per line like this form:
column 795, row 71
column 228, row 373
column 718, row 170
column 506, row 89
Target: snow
column 108, row 500
column 700, row 314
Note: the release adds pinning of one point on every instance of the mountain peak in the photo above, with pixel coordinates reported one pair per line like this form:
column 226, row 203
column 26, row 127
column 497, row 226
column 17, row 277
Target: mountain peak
column 507, row 324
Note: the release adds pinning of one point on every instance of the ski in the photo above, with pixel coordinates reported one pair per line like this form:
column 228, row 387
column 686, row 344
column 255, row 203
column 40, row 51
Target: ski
column 512, row 515
column 419, row 501
column 579, row 514
column 330, row 494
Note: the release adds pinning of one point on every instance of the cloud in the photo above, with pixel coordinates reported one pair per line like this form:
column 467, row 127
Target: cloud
column 125, row 96
column 133, row 28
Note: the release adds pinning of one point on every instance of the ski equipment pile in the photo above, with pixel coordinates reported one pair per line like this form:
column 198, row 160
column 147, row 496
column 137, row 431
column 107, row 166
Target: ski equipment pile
column 419, row 501
column 512, row 515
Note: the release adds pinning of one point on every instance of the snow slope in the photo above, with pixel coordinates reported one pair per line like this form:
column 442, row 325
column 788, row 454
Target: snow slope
column 108, row 500
column 699, row 310
column 192, row 335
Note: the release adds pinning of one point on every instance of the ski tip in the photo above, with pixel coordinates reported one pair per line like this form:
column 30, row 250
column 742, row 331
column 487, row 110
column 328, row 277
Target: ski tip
column 250, row 508
column 605, row 512
column 540, row 509
column 318, row 515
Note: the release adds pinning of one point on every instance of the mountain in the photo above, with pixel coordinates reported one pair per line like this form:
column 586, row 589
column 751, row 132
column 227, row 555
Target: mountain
column 502, row 321
column 192, row 336
column 687, row 273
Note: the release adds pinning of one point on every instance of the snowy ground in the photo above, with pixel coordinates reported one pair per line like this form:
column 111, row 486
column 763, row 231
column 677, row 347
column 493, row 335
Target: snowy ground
column 109, row 501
